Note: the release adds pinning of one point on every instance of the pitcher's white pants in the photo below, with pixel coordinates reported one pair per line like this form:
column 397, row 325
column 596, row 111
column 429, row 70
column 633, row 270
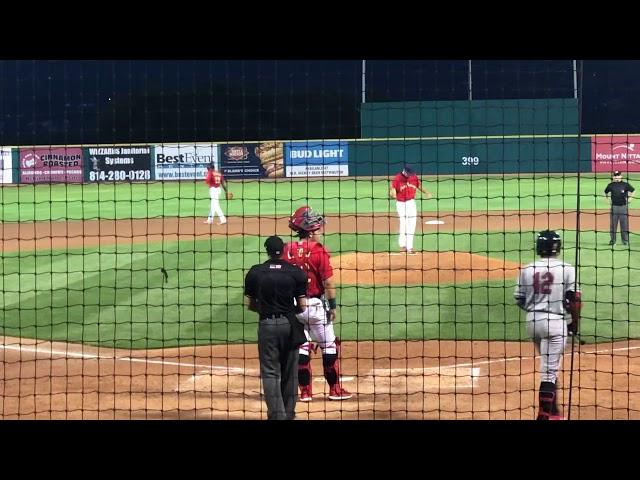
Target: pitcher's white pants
column 407, row 213
column 214, row 195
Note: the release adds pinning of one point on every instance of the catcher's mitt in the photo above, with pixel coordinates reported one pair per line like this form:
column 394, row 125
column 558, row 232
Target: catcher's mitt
column 229, row 195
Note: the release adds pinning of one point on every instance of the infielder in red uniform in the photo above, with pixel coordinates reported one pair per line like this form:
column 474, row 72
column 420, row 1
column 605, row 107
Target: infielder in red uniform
column 215, row 181
column 310, row 255
column 547, row 290
column 403, row 189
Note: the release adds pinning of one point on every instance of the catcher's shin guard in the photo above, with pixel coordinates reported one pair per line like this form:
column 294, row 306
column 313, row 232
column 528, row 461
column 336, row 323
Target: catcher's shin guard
column 331, row 365
column 304, row 366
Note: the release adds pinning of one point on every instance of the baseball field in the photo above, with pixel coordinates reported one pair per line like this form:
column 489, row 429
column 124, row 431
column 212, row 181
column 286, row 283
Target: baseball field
column 119, row 302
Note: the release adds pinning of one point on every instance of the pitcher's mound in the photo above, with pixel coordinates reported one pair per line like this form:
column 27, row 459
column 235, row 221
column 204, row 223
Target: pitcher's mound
column 420, row 268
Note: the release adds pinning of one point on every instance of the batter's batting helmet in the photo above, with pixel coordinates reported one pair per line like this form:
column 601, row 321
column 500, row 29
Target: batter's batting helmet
column 305, row 219
column 548, row 243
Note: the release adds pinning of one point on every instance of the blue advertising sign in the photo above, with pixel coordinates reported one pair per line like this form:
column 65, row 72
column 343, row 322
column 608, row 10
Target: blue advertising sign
column 317, row 159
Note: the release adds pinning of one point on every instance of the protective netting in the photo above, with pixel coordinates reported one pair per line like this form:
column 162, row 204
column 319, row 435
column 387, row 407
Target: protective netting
column 123, row 272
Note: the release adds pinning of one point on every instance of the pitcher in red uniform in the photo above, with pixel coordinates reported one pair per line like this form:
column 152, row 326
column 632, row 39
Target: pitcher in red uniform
column 403, row 189
column 215, row 181
column 310, row 255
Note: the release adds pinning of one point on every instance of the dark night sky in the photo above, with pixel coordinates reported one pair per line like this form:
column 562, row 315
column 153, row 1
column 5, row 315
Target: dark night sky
column 69, row 102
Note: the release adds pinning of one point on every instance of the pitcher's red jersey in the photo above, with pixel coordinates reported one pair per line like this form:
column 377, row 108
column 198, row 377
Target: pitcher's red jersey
column 405, row 187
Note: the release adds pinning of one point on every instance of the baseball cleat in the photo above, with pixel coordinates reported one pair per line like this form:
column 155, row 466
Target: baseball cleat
column 403, row 249
column 305, row 394
column 338, row 393
column 222, row 223
column 208, row 221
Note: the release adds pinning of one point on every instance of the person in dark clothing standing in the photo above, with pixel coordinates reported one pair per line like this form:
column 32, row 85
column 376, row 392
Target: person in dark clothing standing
column 277, row 291
column 621, row 194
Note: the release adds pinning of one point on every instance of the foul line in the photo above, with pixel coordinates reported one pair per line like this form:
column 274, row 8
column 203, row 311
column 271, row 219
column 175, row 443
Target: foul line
column 64, row 353
column 513, row 359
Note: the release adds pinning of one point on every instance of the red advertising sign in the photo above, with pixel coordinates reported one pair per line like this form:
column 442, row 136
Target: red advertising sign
column 46, row 165
column 615, row 152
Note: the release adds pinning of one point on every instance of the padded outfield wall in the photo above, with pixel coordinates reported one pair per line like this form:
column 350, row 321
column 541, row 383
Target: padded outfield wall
column 480, row 137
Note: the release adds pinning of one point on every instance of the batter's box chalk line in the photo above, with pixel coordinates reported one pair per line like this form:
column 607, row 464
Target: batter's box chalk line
column 233, row 378
column 417, row 380
column 434, row 222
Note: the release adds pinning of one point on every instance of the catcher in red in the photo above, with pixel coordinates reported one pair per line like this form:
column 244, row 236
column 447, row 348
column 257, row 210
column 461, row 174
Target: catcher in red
column 310, row 255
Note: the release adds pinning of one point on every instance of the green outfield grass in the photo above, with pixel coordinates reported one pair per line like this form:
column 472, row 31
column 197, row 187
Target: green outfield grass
column 27, row 203
column 117, row 296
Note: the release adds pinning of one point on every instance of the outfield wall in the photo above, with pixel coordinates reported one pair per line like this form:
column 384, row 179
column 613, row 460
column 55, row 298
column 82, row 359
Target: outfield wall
column 323, row 158
column 462, row 118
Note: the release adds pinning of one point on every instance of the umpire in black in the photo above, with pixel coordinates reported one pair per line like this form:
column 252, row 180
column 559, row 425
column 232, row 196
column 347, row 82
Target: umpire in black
column 621, row 194
column 271, row 288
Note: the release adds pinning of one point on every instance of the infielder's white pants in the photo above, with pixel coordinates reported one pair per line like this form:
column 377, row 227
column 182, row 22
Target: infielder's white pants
column 214, row 195
column 407, row 213
column 550, row 338
column 317, row 328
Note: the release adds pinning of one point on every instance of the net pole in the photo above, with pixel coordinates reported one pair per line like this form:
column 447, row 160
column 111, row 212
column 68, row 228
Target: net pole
column 364, row 81
column 578, row 95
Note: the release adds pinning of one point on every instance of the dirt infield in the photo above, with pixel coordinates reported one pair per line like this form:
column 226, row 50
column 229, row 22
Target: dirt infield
column 391, row 380
column 91, row 233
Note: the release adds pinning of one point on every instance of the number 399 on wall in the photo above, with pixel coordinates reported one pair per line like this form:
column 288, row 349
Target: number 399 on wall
column 470, row 160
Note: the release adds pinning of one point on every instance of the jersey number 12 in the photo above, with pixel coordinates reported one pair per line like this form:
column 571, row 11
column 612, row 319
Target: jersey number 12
column 543, row 287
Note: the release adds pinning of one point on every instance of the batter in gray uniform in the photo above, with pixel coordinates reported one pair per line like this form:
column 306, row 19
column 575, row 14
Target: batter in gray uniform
column 547, row 290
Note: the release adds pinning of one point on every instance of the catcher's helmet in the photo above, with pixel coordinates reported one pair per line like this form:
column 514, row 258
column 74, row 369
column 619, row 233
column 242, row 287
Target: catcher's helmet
column 305, row 219
column 548, row 243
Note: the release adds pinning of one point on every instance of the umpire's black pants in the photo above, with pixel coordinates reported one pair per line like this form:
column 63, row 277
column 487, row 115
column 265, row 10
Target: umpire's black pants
column 278, row 367
column 620, row 213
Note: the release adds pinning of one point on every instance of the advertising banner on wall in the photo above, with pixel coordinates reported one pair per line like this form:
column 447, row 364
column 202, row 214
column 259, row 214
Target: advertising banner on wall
column 6, row 170
column 184, row 161
column 118, row 163
column 49, row 165
column 615, row 152
column 252, row 160
column 317, row 159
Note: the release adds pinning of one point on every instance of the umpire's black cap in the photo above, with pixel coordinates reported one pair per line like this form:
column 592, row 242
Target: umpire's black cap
column 274, row 246
column 617, row 173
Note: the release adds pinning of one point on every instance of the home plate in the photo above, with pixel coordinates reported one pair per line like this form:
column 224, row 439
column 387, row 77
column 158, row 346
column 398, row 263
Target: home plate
column 434, row 222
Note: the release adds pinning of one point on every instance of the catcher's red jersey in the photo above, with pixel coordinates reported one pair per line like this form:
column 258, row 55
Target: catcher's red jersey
column 314, row 259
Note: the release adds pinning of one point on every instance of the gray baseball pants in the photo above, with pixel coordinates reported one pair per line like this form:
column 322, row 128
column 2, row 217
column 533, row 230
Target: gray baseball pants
column 278, row 367
column 550, row 337
column 620, row 213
